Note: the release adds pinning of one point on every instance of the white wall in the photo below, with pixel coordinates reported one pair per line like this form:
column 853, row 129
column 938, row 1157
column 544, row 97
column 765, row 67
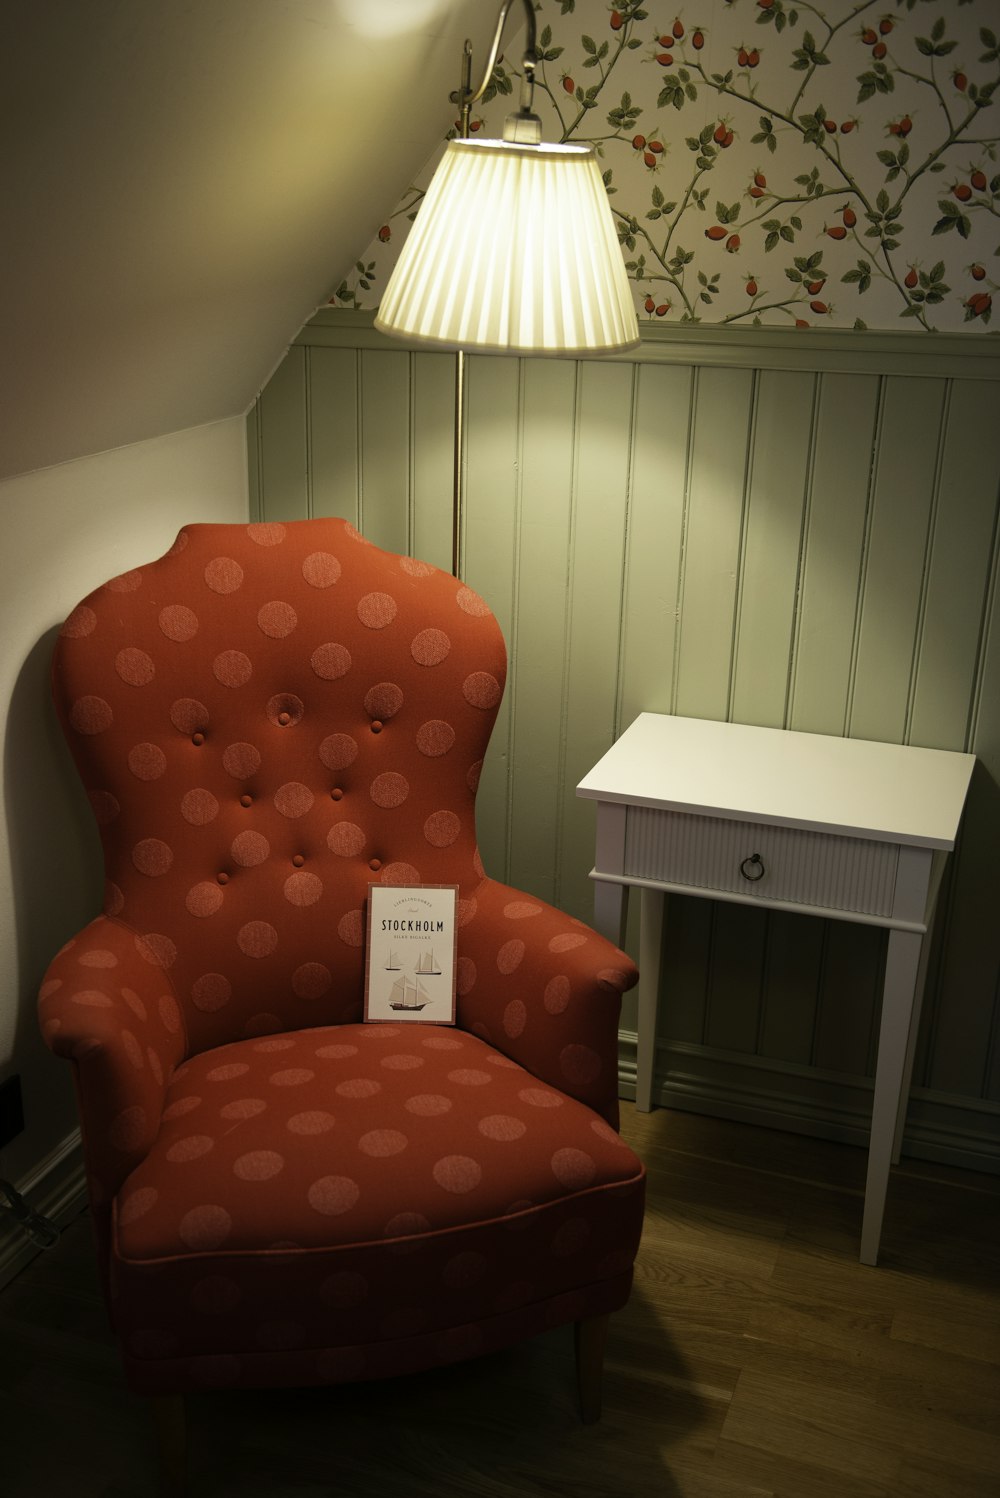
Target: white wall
column 65, row 530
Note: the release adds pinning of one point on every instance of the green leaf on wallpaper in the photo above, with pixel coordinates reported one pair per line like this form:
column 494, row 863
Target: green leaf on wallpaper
column 588, row 44
column 859, row 326
column 633, row 43
column 989, row 41
column 861, row 276
column 809, row 55
column 568, row 6
column 937, row 30
column 952, row 217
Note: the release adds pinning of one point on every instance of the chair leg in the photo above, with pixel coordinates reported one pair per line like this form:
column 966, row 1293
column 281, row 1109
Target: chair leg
column 171, row 1440
column 590, row 1336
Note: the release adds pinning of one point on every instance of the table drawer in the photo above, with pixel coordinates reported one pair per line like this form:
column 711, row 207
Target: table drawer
column 805, row 868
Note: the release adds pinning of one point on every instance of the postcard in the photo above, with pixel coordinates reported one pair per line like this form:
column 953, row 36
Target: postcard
column 410, row 963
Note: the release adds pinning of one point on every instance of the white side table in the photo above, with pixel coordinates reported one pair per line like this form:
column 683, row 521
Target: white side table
column 842, row 828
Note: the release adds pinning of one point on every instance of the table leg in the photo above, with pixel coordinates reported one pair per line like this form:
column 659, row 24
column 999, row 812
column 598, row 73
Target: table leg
column 650, row 943
column 911, row 1047
column 901, row 969
column 611, row 910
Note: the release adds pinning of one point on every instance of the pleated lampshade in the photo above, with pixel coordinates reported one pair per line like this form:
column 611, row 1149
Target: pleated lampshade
column 513, row 250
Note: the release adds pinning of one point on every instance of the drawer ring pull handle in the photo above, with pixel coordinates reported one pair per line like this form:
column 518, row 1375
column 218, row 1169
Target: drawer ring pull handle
column 756, row 864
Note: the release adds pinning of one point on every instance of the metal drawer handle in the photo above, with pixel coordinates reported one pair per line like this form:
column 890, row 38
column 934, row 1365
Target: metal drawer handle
column 756, row 863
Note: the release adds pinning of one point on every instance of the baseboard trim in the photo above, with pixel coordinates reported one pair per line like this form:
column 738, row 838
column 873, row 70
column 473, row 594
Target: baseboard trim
column 57, row 1188
column 947, row 1130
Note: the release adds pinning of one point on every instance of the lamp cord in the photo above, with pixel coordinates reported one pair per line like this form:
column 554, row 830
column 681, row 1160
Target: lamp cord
column 41, row 1230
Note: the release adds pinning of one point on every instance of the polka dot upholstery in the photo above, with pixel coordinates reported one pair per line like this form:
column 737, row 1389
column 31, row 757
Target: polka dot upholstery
column 267, row 720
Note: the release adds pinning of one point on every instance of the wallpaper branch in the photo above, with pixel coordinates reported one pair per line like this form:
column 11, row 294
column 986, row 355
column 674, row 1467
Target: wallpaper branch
column 769, row 163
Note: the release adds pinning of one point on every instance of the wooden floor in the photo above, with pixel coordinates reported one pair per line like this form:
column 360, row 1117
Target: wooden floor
column 756, row 1359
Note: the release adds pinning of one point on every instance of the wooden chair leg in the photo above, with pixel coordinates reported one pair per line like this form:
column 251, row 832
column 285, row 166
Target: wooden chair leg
column 171, row 1440
column 591, row 1336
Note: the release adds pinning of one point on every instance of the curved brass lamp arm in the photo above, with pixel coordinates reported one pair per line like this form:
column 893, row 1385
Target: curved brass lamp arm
column 467, row 96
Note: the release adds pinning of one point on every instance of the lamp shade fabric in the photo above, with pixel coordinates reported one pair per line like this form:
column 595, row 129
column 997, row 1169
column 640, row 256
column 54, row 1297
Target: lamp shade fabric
column 513, row 250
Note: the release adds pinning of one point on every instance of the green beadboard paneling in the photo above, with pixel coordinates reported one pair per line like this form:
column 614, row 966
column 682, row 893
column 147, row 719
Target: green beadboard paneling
column 720, row 443
column 904, row 494
column 834, row 551
column 335, row 473
column 793, row 963
column 385, row 449
column 432, row 423
column 772, row 544
column 650, row 609
column 687, row 943
column 493, row 404
column 604, row 435
column 851, row 985
column 255, row 507
column 756, row 528
column 736, row 975
column 959, row 569
column 283, row 441
column 537, row 675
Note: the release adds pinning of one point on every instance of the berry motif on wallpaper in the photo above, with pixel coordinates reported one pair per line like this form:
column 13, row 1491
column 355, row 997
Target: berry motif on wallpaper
column 768, row 162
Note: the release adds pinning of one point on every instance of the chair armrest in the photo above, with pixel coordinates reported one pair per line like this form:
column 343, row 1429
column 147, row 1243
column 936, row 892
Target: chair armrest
column 544, row 989
column 108, row 1008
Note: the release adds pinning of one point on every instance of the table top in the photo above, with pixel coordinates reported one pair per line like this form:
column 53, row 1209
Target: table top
column 856, row 787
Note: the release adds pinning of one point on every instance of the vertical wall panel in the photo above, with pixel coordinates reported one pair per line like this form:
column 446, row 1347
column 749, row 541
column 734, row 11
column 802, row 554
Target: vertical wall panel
column 284, row 450
column 735, row 978
column 792, row 975
column 432, row 395
column 538, row 676
column 712, row 545
column 849, row 998
column 604, row 436
column 833, row 553
column 385, row 449
column 493, row 395
column 965, row 1026
column 894, row 573
column 655, row 539
column 782, row 432
column 959, row 568
column 335, row 476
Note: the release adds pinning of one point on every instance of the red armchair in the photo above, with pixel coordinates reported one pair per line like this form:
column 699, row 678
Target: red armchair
column 266, row 720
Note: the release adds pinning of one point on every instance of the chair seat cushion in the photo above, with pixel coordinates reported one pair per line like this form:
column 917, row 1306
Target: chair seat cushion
column 366, row 1143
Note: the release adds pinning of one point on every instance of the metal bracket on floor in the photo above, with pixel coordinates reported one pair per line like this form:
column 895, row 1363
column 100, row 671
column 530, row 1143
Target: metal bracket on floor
column 41, row 1230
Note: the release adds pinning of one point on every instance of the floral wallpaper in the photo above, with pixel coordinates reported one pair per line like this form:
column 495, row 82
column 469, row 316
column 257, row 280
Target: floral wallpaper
column 769, row 162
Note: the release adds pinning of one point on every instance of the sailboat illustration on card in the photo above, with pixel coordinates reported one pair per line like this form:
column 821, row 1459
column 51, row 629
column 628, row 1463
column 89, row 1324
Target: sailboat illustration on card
column 408, row 994
column 427, row 966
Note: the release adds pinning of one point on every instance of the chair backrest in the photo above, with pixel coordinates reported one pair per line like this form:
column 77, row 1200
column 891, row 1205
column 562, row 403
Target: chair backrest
column 268, row 719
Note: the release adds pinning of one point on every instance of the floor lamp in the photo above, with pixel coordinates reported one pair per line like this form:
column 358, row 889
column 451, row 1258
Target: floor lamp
column 513, row 250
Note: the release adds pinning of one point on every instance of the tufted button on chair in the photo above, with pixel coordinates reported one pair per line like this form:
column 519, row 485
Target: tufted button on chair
column 266, row 720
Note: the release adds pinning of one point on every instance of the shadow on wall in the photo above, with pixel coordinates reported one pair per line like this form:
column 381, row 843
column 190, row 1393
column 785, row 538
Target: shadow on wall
column 56, row 870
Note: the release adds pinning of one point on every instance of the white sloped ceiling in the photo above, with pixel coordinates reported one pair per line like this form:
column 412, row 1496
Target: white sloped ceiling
column 182, row 181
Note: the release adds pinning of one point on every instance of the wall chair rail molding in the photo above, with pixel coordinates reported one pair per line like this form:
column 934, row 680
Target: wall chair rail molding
column 793, row 528
column 961, row 356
